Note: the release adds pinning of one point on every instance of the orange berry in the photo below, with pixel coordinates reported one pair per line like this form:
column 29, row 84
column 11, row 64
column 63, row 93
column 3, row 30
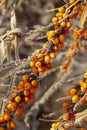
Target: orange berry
column 32, row 64
column 63, row 24
column 73, row 91
column 54, row 19
column 8, row 125
column 13, row 124
column 47, row 58
column 61, row 9
column 18, row 99
column 56, row 27
column 12, row 106
column 26, row 99
column 38, row 64
column 26, row 78
column 72, row 1
column 64, row 15
column 59, row 15
column 40, row 56
column 52, row 55
column 41, row 69
column 69, row 24
column 66, row 116
column 83, row 89
column 65, row 105
column 27, row 85
column 52, row 33
column 1, row 118
column 56, row 41
column 34, row 83
column 35, row 70
column 68, row 56
column 26, row 92
column 61, row 38
column 32, row 90
column 6, row 116
column 75, row 98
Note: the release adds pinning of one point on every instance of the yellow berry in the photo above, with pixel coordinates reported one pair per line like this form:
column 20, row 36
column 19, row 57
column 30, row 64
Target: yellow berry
column 26, row 78
column 75, row 98
column 18, row 99
column 54, row 19
column 61, row 9
column 66, row 116
column 47, row 58
column 26, row 92
column 32, row 64
column 63, row 24
column 38, row 64
column 73, row 91
column 61, row 38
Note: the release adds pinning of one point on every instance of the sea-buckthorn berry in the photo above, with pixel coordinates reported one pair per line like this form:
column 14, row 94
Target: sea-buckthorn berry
column 75, row 8
column 83, row 89
column 18, row 99
column 64, row 15
column 47, row 58
column 8, row 126
column 41, row 69
column 25, row 78
column 59, row 15
column 73, row 91
column 11, row 99
column 26, row 92
column 13, row 124
column 55, row 48
column 66, row 116
column 68, row 56
column 52, row 33
column 32, row 63
column 54, row 19
column 65, row 105
column 6, row 116
column 1, row 118
column 75, row 98
column 12, row 106
column 48, row 65
column 72, row 1
column 69, row 24
column 61, row 9
column 40, row 56
column 2, row 128
column 63, row 24
column 35, row 70
column 61, row 45
column 38, row 64
column 56, row 27
column 27, row 85
column 56, row 41
column 61, row 38
column 32, row 90
column 52, row 55
column 26, row 99
column 85, row 75
column 34, row 83
column 21, row 84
